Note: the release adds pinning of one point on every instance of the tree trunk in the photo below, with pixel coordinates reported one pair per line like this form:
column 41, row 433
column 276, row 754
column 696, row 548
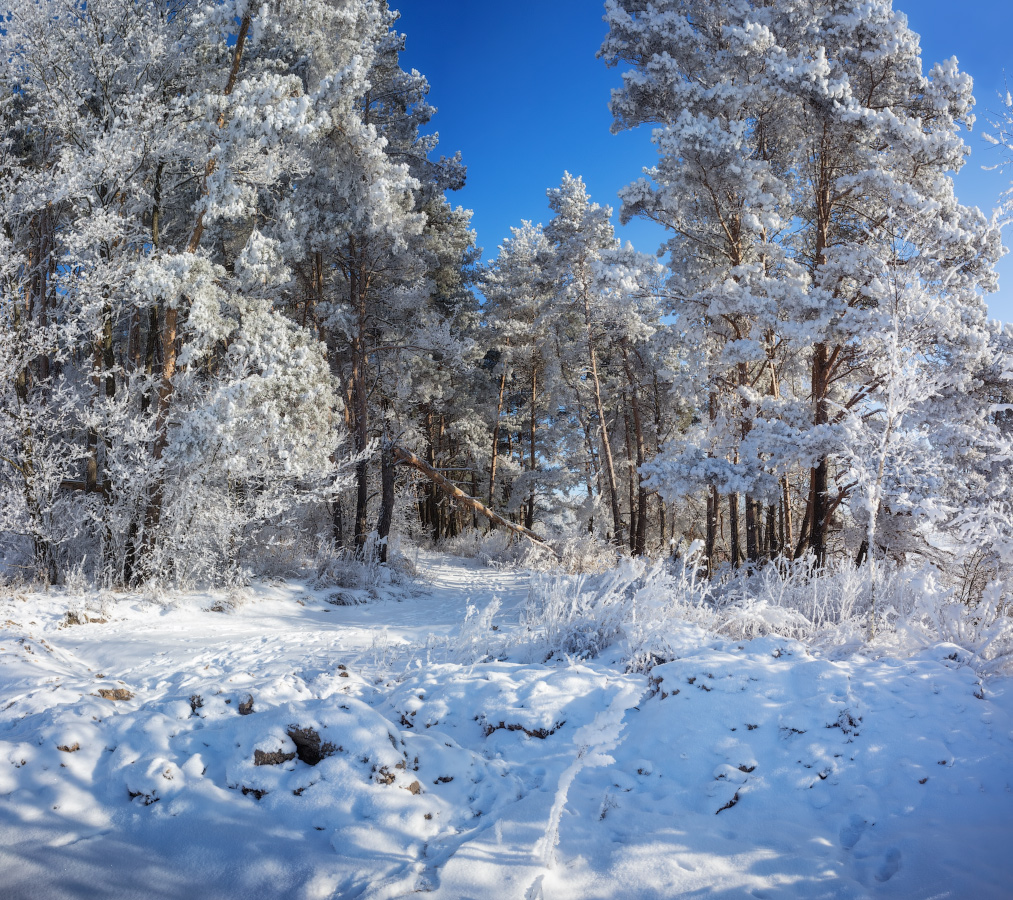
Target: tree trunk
column 529, row 518
column 733, row 527
column 495, row 440
column 357, row 296
column 752, row 531
column 632, row 472
column 713, row 500
column 474, row 493
column 662, row 523
column 773, row 547
column 610, row 470
column 819, row 519
column 803, row 537
column 712, row 528
column 820, row 512
column 338, row 523
column 819, row 503
column 787, row 535
column 387, row 463
column 640, row 542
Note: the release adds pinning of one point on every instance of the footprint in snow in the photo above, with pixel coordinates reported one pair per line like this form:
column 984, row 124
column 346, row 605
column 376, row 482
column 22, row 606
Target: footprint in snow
column 890, row 865
column 852, row 833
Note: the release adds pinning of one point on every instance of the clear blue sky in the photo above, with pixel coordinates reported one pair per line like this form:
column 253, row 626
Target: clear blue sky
column 522, row 96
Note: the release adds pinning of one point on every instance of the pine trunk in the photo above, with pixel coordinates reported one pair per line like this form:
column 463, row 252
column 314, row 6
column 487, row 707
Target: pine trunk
column 529, row 517
column 819, row 519
column 610, row 469
column 733, row 528
column 640, row 542
column 387, row 464
column 712, row 529
column 495, row 440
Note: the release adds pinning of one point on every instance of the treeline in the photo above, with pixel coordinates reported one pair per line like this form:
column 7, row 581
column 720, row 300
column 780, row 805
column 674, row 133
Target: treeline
column 235, row 296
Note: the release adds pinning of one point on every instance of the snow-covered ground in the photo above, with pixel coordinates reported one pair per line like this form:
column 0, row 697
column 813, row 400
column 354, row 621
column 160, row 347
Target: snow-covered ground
column 392, row 762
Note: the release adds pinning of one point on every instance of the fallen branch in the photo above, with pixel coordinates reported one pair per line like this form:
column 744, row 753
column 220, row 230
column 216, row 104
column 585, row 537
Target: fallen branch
column 407, row 458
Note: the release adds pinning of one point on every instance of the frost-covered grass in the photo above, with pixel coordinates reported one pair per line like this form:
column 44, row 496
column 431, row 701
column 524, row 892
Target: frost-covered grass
column 840, row 610
column 490, row 732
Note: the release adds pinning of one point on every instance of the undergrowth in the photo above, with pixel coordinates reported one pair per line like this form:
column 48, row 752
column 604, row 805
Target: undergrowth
column 636, row 606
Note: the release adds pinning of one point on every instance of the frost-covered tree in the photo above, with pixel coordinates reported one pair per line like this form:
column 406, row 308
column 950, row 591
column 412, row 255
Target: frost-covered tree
column 148, row 172
column 914, row 446
column 792, row 138
column 627, row 284
column 580, row 232
column 571, row 320
column 517, row 313
column 382, row 250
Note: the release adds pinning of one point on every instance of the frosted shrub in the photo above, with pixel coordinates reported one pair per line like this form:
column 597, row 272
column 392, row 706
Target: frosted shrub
column 344, row 569
column 403, row 566
column 475, row 642
column 576, row 553
column 788, row 599
column 466, row 545
column 833, row 607
column 585, row 552
column 499, row 548
column 581, row 615
column 985, row 629
column 643, row 609
column 340, row 569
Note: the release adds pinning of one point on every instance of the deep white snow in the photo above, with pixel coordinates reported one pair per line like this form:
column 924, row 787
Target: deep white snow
column 741, row 769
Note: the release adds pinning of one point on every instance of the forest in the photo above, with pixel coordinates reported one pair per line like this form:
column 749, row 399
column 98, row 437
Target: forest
column 254, row 364
column 235, row 282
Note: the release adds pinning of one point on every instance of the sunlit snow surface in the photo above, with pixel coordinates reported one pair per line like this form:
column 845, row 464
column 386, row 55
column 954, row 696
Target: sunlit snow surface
column 738, row 770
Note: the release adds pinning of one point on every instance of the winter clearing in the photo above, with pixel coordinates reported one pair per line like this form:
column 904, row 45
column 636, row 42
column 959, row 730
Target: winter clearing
column 270, row 744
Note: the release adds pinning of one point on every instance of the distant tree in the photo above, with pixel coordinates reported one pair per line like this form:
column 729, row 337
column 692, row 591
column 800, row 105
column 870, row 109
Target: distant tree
column 580, row 233
column 518, row 307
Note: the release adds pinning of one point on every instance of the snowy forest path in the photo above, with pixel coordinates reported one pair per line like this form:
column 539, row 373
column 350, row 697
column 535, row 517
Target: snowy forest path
column 454, row 583
column 510, row 849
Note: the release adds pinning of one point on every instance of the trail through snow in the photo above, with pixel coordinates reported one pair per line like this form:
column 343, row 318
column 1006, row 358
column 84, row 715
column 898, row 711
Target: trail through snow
column 424, row 744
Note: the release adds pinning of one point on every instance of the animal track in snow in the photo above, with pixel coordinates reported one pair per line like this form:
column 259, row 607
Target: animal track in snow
column 852, row 833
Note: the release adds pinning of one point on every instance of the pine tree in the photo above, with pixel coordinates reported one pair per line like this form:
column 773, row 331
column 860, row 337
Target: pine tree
column 795, row 139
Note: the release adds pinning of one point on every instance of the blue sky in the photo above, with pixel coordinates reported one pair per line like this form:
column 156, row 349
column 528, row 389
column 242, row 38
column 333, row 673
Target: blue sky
column 522, row 96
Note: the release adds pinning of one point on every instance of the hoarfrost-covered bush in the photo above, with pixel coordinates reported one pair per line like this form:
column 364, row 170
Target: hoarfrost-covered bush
column 581, row 615
column 985, row 629
column 361, row 575
column 473, row 644
column 578, row 615
column 636, row 607
column 585, row 553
